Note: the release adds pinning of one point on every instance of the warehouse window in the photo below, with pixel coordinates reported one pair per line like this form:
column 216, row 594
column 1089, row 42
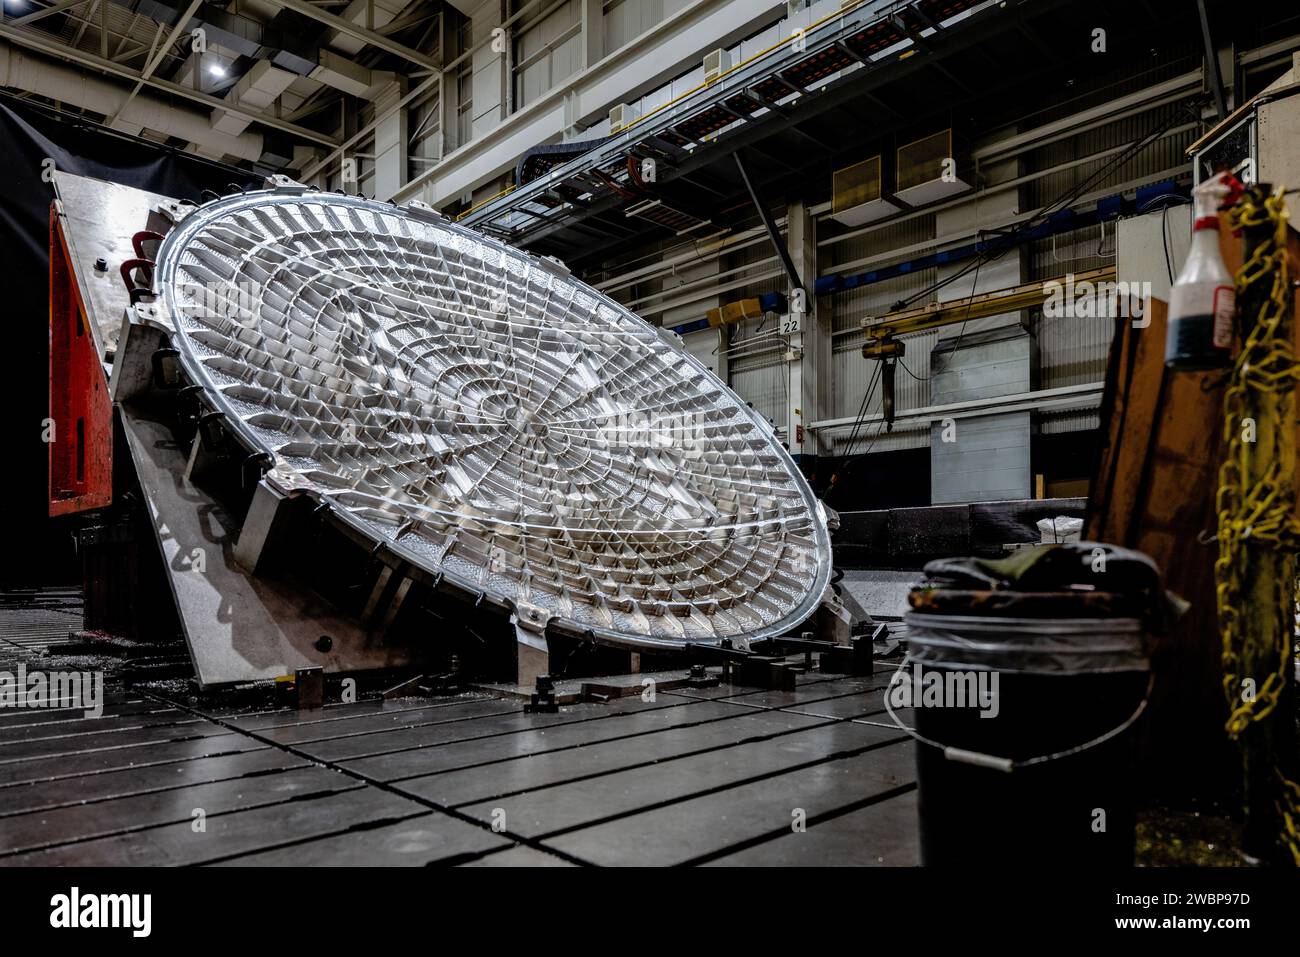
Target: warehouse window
column 625, row 20
column 547, row 50
column 426, row 145
column 464, row 104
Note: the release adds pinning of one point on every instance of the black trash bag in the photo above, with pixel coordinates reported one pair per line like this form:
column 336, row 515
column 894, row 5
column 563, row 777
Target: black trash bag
column 1070, row 566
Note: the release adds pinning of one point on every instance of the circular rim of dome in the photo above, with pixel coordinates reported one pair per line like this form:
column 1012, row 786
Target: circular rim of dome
column 177, row 241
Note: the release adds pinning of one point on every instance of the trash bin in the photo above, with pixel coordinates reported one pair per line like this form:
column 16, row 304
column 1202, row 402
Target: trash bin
column 1041, row 769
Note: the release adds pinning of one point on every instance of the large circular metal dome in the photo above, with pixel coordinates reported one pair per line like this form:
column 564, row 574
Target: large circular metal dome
column 491, row 419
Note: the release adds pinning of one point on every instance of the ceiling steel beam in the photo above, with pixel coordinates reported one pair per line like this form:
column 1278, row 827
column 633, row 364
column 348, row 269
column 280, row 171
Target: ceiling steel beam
column 773, row 236
column 1212, row 62
column 982, row 27
column 152, row 63
column 359, row 33
column 411, row 19
column 47, row 11
column 43, row 43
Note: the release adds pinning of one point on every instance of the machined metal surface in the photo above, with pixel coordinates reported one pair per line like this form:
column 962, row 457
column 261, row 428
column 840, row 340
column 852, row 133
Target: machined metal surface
column 99, row 219
column 486, row 417
column 238, row 626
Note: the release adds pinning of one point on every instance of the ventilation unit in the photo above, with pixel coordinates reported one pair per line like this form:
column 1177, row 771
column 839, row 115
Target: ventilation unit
column 622, row 116
column 856, row 194
column 715, row 64
column 929, row 169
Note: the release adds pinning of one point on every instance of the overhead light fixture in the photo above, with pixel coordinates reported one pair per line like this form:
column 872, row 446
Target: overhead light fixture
column 217, row 68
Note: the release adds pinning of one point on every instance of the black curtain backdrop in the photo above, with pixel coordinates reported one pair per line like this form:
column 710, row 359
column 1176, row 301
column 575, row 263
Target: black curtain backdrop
column 35, row 549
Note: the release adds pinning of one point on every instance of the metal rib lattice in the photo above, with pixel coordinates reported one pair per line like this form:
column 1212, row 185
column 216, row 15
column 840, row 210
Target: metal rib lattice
column 492, row 419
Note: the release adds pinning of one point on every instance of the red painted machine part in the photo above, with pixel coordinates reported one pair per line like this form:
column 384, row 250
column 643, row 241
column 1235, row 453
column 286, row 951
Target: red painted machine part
column 80, row 428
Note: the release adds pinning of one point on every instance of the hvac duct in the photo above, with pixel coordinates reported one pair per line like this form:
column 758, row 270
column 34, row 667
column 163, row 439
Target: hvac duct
column 290, row 42
column 57, row 81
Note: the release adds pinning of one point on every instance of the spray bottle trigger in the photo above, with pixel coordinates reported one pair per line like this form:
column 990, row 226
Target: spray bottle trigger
column 1235, row 188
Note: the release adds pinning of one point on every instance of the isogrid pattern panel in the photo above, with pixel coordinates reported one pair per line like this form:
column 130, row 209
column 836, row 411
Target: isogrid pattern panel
column 492, row 419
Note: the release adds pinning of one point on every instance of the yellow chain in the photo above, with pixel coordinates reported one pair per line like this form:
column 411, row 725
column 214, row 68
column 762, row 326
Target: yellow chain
column 1264, row 515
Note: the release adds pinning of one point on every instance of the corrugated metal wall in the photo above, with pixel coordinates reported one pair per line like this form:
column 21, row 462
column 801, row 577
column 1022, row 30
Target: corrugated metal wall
column 759, row 373
column 1164, row 153
column 625, row 20
column 989, row 461
column 548, row 50
column 1073, row 351
column 1068, row 420
column 850, row 372
column 764, row 385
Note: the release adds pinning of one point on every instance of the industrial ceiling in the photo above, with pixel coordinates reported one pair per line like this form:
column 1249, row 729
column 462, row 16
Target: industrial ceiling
column 261, row 82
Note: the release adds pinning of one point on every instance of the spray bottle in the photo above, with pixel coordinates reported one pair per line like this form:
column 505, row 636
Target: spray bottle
column 1202, row 301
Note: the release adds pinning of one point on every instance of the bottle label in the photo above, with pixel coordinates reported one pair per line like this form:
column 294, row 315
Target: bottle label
column 1225, row 300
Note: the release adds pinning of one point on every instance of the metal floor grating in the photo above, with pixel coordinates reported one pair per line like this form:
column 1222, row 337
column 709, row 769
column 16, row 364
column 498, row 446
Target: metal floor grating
column 696, row 776
column 33, row 619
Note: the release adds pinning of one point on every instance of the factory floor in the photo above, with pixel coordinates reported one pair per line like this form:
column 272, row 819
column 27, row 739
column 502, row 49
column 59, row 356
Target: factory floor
column 723, row 775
